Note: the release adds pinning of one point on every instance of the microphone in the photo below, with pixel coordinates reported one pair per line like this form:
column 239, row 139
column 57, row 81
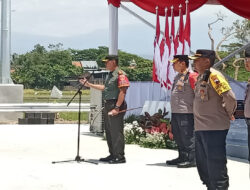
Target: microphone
column 206, row 75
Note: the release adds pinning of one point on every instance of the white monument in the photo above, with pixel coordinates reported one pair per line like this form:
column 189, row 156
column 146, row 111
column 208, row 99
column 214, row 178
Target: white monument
column 9, row 92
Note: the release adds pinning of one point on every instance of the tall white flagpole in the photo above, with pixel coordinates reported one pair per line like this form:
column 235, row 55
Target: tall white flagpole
column 113, row 30
column 5, row 43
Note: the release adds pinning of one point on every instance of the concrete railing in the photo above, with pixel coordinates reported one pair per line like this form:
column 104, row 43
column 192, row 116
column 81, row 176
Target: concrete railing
column 44, row 107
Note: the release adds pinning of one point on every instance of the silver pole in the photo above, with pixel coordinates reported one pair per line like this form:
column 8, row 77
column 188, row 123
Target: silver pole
column 5, row 43
column 231, row 55
column 113, row 30
column 139, row 17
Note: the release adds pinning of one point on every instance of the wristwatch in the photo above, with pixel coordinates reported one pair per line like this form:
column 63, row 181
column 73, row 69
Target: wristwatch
column 117, row 107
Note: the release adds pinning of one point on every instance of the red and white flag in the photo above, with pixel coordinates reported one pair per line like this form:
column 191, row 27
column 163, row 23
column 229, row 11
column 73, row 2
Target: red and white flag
column 187, row 32
column 166, row 45
column 157, row 54
column 170, row 71
column 180, row 36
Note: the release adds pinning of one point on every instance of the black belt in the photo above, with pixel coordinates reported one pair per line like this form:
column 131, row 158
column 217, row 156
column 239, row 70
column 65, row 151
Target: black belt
column 110, row 101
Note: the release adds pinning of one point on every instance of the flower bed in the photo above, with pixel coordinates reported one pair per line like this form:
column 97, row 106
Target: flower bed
column 150, row 132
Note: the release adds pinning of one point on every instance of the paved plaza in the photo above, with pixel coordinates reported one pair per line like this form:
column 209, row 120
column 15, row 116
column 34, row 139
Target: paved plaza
column 26, row 153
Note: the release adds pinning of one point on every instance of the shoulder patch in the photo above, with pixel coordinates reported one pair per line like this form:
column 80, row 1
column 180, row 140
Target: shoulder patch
column 123, row 81
column 219, row 83
column 192, row 79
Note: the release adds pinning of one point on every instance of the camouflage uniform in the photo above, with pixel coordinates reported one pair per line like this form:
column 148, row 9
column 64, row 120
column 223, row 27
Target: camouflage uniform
column 114, row 124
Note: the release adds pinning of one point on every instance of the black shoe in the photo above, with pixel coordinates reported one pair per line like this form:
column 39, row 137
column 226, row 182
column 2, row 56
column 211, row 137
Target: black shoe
column 186, row 164
column 118, row 160
column 106, row 159
column 174, row 162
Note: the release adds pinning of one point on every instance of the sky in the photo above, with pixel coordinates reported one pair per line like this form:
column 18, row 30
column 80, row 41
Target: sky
column 82, row 24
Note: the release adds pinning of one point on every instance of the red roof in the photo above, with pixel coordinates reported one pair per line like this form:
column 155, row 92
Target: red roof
column 77, row 63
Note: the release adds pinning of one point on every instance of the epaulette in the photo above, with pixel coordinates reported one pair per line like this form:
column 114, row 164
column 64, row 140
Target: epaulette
column 219, row 83
column 192, row 79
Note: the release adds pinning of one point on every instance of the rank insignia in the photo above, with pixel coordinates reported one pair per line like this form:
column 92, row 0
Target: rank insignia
column 202, row 93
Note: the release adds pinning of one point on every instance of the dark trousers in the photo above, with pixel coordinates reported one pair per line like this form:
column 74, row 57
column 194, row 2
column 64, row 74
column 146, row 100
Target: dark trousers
column 183, row 131
column 113, row 126
column 248, row 127
column 211, row 160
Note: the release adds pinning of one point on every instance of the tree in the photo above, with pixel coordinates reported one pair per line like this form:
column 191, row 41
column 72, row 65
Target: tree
column 238, row 34
column 43, row 69
column 143, row 71
column 220, row 17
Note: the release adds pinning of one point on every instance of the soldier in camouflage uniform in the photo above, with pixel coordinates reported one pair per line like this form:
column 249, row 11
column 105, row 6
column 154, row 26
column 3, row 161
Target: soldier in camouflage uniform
column 114, row 91
column 214, row 105
column 247, row 98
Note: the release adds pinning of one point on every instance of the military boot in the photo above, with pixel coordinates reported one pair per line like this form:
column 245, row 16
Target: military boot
column 175, row 161
column 189, row 161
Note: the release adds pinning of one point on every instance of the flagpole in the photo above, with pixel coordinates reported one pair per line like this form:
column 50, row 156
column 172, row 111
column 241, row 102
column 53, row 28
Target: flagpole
column 186, row 6
column 166, row 17
column 172, row 14
column 183, row 50
column 156, row 13
column 180, row 6
column 113, row 30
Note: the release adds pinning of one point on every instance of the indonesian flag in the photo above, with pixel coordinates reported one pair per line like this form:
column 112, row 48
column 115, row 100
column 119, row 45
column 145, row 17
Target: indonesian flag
column 157, row 54
column 170, row 71
column 180, row 35
column 165, row 56
column 186, row 33
column 165, row 51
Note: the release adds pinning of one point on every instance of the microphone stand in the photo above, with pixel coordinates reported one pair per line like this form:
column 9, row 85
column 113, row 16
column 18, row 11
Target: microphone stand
column 78, row 158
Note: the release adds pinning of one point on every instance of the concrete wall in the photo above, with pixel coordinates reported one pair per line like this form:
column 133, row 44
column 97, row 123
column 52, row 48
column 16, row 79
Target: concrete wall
column 10, row 93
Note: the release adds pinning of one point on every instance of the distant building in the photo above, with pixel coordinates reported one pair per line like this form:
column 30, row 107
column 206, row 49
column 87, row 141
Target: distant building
column 77, row 63
column 86, row 65
column 99, row 76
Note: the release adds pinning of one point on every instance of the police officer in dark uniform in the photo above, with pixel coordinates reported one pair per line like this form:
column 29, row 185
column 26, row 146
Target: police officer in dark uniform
column 247, row 97
column 214, row 105
column 114, row 91
column 182, row 121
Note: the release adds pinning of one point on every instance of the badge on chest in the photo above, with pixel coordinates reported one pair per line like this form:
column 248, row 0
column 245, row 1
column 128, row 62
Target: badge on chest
column 180, row 84
column 203, row 91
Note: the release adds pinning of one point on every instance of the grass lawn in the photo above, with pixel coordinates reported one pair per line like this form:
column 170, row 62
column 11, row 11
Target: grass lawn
column 43, row 96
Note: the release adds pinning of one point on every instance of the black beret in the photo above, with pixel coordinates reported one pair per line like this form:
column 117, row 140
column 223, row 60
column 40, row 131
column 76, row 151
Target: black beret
column 180, row 58
column 110, row 57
